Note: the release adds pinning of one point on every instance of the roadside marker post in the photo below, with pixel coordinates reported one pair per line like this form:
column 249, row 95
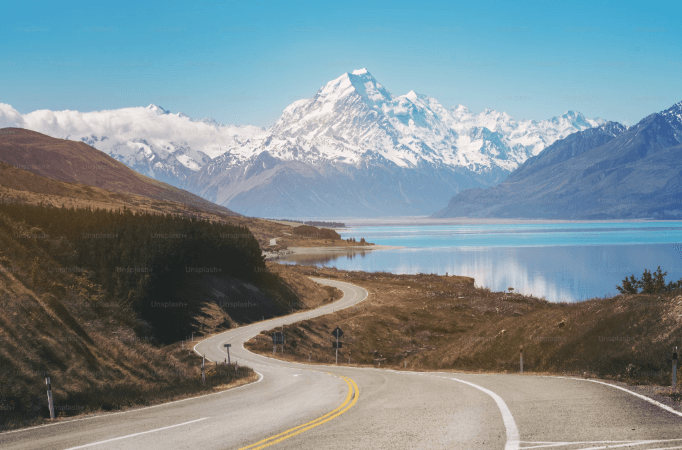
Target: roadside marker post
column 203, row 370
column 310, row 356
column 521, row 356
column 227, row 346
column 50, row 401
column 675, row 368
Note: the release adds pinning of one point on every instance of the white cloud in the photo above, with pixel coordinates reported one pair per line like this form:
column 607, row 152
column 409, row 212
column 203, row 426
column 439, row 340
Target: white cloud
column 118, row 132
column 10, row 117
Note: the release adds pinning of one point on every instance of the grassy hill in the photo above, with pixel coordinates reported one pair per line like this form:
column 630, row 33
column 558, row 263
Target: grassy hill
column 77, row 162
column 98, row 301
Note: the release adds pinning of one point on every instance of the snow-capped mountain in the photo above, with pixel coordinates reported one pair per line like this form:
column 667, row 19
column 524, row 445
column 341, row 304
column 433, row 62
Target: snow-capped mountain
column 606, row 172
column 353, row 149
column 150, row 140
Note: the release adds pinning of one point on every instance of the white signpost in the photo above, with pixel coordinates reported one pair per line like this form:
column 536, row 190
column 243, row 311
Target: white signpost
column 50, row 401
column 675, row 368
column 521, row 355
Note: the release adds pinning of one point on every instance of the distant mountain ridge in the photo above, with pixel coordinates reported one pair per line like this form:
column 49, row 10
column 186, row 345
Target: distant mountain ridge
column 354, row 149
column 609, row 172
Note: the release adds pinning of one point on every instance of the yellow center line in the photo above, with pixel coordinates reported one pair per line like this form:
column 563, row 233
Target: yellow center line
column 353, row 392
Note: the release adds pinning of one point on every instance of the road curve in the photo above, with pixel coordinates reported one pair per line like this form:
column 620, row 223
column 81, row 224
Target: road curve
column 312, row 407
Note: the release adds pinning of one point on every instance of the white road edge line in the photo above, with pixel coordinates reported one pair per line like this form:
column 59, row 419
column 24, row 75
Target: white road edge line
column 643, row 397
column 137, row 434
column 665, row 448
column 509, row 424
column 104, row 415
column 547, row 444
column 513, row 437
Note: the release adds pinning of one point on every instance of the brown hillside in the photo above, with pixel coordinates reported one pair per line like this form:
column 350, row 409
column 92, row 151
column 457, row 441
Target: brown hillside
column 41, row 169
column 72, row 161
column 431, row 322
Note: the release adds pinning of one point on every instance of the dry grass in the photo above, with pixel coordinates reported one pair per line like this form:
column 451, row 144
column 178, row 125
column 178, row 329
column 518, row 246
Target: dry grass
column 86, row 344
column 432, row 322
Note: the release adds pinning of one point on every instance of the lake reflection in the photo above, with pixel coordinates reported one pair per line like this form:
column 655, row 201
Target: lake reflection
column 558, row 273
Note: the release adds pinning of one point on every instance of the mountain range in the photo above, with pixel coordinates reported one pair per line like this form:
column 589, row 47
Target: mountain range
column 352, row 150
column 607, row 172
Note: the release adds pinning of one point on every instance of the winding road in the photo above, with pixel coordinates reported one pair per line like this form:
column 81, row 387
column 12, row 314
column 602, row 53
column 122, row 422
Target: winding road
column 299, row 406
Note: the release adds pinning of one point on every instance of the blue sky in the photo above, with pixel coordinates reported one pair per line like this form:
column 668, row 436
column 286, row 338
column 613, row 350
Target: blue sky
column 243, row 62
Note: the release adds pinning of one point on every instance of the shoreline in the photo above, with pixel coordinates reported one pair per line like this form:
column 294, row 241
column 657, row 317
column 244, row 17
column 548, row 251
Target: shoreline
column 426, row 221
column 295, row 251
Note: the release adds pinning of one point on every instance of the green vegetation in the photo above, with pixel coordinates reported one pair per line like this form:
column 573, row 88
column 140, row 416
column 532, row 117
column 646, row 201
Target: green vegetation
column 650, row 283
column 319, row 223
column 361, row 241
column 317, row 233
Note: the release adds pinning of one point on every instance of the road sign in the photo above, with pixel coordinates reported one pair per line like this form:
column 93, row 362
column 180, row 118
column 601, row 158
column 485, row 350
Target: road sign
column 227, row 346
column 337, row 333
column 278, row 337
column 337, row 344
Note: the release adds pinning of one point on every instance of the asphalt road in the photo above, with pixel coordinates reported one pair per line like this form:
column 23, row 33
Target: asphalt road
column 297, row 406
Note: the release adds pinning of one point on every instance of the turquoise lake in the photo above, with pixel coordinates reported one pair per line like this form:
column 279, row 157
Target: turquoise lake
column 558, row 261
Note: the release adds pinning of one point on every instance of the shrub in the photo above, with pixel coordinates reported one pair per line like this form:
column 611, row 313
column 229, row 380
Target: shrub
column 650, row 283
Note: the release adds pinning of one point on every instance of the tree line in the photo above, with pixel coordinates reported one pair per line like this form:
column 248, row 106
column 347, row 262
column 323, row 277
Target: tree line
column 650, row 283
column 137, row 258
